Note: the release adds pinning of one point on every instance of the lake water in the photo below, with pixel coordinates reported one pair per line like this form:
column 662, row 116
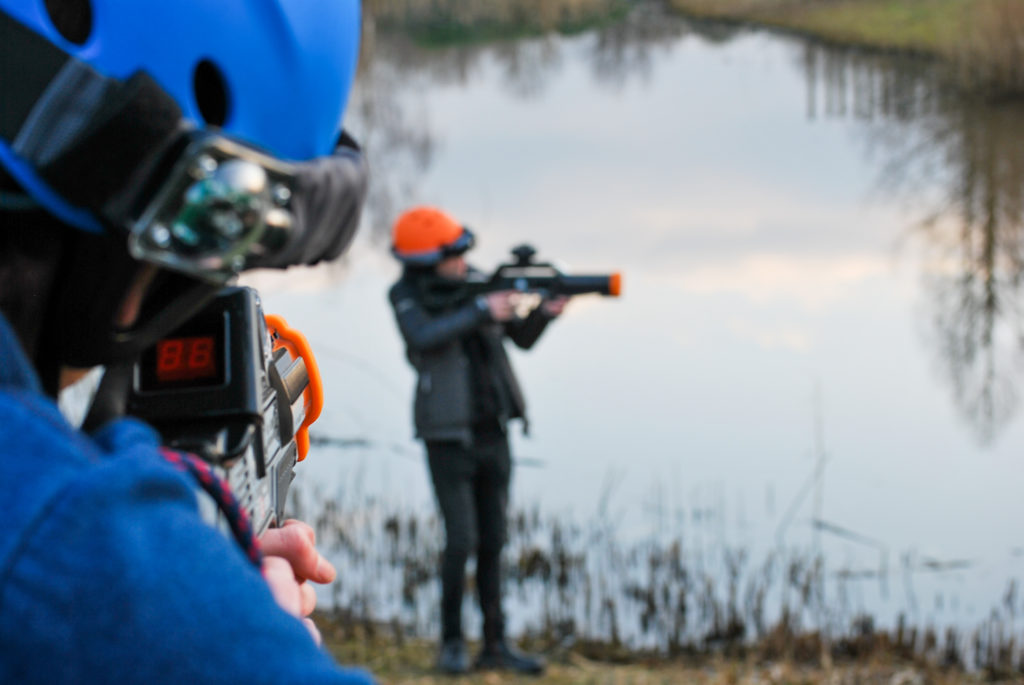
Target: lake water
column 822, row 277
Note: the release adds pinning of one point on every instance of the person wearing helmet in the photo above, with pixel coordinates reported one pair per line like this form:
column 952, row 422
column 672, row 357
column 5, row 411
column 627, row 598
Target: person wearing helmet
column 149, row 152
column 465, row 397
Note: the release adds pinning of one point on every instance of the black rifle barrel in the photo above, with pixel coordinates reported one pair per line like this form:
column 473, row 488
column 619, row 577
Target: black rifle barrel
column 603, row 284
column 579, row 285
column 525, row 276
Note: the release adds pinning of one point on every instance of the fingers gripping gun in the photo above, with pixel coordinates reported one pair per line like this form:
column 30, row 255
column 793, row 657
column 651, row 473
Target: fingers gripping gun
column 238, row 390
column 523, row 274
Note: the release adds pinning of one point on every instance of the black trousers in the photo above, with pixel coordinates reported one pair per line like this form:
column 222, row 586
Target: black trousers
column 471, row 484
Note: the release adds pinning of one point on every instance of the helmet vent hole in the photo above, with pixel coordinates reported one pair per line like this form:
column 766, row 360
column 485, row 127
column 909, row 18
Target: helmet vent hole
column 71, row 18
column 211, row 92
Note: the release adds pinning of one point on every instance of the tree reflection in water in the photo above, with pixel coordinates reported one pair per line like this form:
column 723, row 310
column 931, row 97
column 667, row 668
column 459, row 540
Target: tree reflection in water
column 957, row 161
column 960, row 160
column 388, row 110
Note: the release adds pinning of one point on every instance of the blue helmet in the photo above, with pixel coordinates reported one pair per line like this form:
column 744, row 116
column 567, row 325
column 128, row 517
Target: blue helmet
column 283, row 188
column 275, row 73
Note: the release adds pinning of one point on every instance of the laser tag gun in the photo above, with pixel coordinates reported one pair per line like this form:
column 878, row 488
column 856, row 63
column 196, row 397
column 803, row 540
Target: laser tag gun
column 237, row 389
column 523, row 274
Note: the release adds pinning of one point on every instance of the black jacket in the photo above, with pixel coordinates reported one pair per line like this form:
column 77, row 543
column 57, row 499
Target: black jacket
column 443, row 406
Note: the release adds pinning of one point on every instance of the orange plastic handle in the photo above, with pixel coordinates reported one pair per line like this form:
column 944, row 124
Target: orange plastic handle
column 298, row 346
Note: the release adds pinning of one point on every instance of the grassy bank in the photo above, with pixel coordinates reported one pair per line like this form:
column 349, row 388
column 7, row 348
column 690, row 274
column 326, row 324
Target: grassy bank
column 982, row 40
column 438, row 23
column 394, row 659
column 927, row 26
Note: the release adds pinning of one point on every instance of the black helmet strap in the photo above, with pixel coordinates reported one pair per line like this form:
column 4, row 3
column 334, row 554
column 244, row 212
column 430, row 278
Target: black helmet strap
column 85, row 134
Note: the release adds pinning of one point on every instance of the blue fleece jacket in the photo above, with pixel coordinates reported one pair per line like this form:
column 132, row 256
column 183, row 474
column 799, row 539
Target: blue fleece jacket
column 107, row 572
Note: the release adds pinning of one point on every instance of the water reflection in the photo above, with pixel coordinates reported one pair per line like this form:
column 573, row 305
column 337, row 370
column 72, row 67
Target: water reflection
column 391, row 126
column 628, row 49
column 735, row 160
column 388, row 108
column 923, row 137
column 970, row 230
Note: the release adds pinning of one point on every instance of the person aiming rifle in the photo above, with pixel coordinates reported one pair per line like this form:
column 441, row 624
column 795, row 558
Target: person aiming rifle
column 149, row 152
column 454, row 323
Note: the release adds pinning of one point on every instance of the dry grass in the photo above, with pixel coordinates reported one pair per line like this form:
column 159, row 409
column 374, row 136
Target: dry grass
column 393, row 659
column 591, row 598
column 983, row 39
column 930, row 26
column 991, row 52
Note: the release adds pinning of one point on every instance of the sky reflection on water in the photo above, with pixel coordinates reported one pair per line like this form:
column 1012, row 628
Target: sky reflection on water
column 771, row 277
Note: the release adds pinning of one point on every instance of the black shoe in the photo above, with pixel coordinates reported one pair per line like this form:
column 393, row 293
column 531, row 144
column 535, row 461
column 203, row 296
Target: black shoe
column 504, row 656
column 453, row 657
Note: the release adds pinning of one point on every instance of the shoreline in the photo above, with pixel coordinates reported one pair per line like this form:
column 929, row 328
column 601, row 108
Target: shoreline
column 889, row 26
column 979, row 42
column 396, row 657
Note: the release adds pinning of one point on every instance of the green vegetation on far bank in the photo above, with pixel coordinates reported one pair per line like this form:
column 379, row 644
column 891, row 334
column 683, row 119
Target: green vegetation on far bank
column 439, row 23
column 927, row 26
column 983, row 40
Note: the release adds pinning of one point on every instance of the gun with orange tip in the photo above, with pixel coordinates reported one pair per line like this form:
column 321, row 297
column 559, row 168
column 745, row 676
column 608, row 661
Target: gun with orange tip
column 524, row 274
column 239, row 390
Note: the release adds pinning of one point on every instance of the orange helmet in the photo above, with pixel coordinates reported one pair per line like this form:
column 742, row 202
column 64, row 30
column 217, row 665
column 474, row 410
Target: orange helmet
column 423, row 236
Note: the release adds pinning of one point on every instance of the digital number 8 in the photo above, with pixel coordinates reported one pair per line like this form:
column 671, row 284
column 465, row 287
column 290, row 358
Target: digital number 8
column 170, row 355
column 200, row 355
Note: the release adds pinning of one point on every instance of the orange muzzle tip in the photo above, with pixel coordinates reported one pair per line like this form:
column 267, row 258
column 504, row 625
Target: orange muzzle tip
column 615, row 284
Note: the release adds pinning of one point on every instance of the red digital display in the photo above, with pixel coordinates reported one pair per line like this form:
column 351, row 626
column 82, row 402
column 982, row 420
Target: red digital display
column 186, row 359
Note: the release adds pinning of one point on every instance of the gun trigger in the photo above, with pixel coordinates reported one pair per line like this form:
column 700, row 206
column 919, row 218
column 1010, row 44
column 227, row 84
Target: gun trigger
column 297, row 345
